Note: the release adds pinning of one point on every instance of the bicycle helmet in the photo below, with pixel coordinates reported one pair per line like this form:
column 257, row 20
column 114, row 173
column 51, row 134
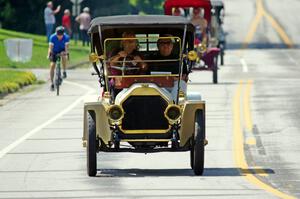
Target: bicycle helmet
column 60, row 30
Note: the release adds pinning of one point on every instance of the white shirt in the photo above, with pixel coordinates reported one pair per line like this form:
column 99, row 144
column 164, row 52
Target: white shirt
column 84, row 20
column 49, row 16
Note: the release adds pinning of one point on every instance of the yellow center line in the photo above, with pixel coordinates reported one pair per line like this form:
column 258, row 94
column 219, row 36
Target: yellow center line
column 260, row 13
column 247, row 107
column 283, row 35
column 239, row 152
column 251, row 141
column 254, row 24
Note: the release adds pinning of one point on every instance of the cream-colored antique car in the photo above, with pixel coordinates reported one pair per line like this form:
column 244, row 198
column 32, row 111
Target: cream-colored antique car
column 145, row 106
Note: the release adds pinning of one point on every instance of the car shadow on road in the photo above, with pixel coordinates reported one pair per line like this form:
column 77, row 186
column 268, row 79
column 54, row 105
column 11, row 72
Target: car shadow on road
column 193, row 83
column 209, row 172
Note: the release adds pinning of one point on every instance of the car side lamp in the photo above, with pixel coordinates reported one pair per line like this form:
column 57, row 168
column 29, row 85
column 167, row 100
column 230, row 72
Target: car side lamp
column 115, row 113
column 192, row 55
column 173, row 113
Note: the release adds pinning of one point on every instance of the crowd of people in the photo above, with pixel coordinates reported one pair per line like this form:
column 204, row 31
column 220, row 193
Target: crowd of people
column 83, row 20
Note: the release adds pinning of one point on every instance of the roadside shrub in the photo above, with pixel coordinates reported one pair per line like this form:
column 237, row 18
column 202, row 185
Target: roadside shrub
column 11, row 81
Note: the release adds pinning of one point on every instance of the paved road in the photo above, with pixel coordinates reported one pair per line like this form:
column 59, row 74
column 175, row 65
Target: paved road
column 252, row 129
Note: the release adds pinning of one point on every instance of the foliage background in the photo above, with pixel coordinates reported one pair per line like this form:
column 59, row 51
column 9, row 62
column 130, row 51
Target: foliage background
column 28, row 15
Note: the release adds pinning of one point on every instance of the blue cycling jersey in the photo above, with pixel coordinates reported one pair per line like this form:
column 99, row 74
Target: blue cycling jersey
column 59, row 45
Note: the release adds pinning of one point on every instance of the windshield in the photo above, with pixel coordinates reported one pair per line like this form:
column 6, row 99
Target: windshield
column 142, row 55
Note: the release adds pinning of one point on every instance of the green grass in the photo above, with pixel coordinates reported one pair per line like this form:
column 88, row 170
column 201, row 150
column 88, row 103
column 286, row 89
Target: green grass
column 12, row 81
column 78, row 53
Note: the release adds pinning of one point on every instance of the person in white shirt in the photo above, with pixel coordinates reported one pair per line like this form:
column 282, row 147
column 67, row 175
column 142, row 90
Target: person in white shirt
column 84, row 20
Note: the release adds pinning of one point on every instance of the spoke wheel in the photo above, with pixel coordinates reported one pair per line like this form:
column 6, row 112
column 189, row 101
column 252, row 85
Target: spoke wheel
column 197, row 151
column 91, row 148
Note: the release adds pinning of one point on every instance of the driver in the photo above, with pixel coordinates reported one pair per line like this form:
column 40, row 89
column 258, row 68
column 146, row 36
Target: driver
column 128, row 52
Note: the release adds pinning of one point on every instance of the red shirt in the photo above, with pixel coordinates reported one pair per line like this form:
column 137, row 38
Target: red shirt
column 66, row 21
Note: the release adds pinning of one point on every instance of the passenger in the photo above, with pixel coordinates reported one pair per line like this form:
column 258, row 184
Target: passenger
column 128, row 52
column 177, row 12
column 166, row 52
column 200, row 24
column 214, row 24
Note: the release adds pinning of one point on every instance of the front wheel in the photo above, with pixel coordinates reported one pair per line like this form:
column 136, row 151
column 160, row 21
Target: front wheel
column 215, row 70
column 57, row 89
column 92, row 145
column 222, row 58
column 222, row 54
column 197, row 151
column 57, row 78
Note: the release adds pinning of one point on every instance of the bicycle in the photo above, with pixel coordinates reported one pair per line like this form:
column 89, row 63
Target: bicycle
column 58, row 79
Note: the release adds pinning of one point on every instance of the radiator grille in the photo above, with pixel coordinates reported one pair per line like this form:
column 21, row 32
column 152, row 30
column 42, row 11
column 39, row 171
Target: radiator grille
column 144, row 113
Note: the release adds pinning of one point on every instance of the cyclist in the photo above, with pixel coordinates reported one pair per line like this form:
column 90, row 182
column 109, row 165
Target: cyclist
column 58, row 45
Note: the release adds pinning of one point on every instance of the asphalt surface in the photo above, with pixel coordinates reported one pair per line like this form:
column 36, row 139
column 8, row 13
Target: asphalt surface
column 252, row 129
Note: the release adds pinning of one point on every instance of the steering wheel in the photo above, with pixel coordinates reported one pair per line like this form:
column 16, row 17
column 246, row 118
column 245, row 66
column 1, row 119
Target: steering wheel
column 128, row 66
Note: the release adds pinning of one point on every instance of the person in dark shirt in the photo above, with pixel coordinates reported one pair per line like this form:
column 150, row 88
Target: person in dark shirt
column 170, row 61
column 166, row 53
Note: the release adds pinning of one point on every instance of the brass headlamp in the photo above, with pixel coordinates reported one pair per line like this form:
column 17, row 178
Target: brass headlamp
column 173, row 113
column 115, row 113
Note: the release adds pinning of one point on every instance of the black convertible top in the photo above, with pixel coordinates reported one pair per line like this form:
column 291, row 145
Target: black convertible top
column 157, row 21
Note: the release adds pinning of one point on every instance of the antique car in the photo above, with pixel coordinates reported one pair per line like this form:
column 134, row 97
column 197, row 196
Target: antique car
column 143, row 106
column 218, row 12
column 207, row 50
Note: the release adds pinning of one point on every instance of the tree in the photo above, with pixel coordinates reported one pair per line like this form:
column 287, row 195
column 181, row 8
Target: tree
column 6, row 11
column 28, row 15
column 150, row 6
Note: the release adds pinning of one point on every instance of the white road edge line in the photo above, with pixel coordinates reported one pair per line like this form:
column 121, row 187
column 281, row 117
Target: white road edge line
column 10, row 147
column 244, row 64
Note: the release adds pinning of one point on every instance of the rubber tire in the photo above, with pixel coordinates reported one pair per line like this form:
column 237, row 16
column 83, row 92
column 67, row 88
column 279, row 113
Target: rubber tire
column 91, row 148
column 57, row 79
column 192, row 157
column 57, row 89
column 215, row 71
column 222, row 58
column 198, row 146
column 57, row 84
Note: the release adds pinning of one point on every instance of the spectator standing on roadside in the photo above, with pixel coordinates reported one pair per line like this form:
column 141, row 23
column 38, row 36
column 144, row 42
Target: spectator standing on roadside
column 84, row 20
column 201, row 25
column 178, row 12
column 66, row 22
column 50, row 18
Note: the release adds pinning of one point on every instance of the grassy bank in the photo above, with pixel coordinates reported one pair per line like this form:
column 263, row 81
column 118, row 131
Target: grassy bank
column 11, row 81
column 39, row 52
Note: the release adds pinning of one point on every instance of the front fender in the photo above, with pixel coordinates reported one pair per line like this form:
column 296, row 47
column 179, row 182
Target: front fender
column 102, row 123
column 188, row 120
